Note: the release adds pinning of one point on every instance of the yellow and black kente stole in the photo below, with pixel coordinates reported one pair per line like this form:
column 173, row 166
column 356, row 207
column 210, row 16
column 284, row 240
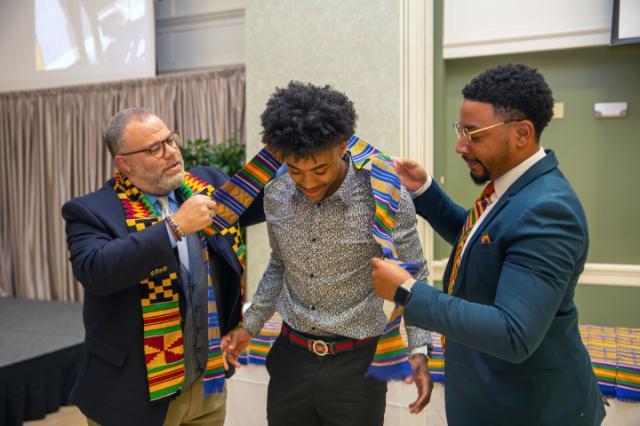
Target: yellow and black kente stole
column 159, row 297
column 159, row 300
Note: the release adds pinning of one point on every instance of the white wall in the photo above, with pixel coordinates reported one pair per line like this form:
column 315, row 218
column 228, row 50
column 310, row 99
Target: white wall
column 352, row 45
column 50, row 43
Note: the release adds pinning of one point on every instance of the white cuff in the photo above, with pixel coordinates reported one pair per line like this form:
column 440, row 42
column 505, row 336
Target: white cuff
column 418, row 192
column 424, row 350
column 423, row 188
column 408, row 284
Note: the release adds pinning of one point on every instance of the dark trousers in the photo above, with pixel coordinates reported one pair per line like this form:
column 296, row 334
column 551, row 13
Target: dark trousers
column 305, row 389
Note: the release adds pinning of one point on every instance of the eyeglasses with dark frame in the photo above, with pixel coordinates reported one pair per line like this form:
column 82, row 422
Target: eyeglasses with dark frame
column 158, row 149
column 466, row 135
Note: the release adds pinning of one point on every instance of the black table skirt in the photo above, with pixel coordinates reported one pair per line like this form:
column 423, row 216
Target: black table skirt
column 32, row 388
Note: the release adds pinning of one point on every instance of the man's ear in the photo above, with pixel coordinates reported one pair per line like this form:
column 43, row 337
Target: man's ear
column 343, row 148
column 122, row 164
column 524, row 132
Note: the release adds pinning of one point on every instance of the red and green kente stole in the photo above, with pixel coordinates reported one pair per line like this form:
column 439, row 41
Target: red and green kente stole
column 159, row 301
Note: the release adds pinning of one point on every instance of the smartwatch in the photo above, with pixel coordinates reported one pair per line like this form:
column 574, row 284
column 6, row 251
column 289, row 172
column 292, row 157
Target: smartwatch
column 402, row 296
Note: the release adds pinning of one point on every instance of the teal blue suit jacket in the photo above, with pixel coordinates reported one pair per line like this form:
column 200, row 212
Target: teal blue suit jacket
column 514, row 354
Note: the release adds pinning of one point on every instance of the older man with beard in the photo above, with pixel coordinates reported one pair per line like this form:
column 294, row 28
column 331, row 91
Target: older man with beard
column 159, row 293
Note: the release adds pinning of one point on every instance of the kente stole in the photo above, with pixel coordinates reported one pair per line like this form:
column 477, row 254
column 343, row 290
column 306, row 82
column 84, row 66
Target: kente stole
column 390, row 361
column 159, row 295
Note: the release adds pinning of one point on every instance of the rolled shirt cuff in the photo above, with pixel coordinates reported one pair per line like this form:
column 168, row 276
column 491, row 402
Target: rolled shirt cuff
column 408, row 284
column 424, row 350
column 418, row 192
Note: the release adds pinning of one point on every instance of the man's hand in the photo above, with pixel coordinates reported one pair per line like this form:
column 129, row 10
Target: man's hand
column 195, row 213
column 412, row 175
column 234, row 343
column 423, row 382
column 386, row 277
column 229, row 359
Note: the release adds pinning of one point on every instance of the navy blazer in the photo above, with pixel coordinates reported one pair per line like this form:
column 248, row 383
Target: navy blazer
column 111, row 387
column 514, row 354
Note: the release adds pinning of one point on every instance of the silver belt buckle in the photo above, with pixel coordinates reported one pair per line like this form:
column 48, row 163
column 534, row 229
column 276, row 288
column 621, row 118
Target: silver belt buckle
column 320, row 348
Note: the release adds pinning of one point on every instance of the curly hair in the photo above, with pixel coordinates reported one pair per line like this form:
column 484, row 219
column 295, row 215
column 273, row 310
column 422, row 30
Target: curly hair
column 517, row 92
column 303, row 119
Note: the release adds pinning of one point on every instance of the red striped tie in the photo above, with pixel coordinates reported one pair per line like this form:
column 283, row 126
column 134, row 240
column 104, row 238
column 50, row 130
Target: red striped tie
column 480, row 206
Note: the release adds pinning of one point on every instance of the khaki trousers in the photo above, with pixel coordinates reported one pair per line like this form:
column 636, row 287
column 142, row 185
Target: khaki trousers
column 191, row 407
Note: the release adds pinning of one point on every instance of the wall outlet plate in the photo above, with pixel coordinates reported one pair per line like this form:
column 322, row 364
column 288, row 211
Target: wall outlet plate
column 558, row 110
column 610, row 109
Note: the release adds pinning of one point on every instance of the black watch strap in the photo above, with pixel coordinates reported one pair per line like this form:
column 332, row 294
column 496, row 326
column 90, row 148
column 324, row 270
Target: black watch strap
column 402, row 296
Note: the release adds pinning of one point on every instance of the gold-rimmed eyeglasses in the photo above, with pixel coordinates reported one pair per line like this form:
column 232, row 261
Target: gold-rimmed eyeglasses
column 157, row 149
column 467, row 135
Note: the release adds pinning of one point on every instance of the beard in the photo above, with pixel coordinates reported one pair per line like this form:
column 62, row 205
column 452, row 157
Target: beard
column 482, row 179
column 501, row 156
column 479, row 179
column 147, row 180
column 170, row 183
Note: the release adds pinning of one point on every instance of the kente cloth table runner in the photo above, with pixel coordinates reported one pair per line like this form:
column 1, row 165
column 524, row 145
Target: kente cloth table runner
column 615, row 356
column 614, row 352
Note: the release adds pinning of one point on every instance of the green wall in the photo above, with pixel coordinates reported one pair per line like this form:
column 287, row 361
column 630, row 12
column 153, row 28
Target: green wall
column 599, row 156
column 612, row 306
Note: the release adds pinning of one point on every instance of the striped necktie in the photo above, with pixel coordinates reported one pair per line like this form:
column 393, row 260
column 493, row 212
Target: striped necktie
column 193, row 273
column 478, row 208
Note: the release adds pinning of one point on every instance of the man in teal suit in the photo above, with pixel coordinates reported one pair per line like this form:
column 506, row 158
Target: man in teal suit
column 513, row 351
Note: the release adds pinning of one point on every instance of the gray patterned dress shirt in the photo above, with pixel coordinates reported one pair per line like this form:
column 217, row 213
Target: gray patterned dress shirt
column 319, row 275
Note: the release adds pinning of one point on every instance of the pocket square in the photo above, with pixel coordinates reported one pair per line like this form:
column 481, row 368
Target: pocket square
column 485, row 238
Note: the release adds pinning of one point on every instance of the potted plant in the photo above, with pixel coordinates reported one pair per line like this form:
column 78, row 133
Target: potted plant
column 228, row 156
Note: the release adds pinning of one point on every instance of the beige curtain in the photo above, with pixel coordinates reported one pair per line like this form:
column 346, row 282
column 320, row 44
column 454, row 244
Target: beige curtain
column 51, row 150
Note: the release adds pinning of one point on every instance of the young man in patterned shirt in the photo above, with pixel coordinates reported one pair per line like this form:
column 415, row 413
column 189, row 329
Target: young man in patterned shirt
column 319, row 218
